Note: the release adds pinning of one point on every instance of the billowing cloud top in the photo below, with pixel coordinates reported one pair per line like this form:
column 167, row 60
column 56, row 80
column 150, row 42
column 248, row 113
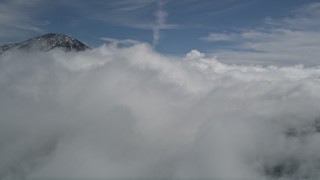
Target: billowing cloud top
column 131, row 112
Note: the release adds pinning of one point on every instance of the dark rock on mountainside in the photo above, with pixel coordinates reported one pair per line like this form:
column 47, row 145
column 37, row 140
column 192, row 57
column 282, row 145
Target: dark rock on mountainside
column 47, row 42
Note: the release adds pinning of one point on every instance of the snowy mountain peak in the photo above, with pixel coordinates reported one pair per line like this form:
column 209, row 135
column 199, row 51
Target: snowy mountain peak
column 48, row 42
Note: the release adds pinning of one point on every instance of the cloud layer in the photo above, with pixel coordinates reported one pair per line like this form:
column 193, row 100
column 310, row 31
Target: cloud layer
column 130, row 112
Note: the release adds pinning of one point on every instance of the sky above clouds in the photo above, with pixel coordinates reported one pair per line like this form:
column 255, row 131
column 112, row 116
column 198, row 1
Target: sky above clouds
column 235, row 31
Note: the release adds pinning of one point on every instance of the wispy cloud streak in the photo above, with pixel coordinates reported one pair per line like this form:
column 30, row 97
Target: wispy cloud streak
column 116, row 42
column 289, row 40
column 15, row 18
column 160, row 23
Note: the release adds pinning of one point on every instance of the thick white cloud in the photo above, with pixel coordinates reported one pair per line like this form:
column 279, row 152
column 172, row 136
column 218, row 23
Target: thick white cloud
column 133, row 113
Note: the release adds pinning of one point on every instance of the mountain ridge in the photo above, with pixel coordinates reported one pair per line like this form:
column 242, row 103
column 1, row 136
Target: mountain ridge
column 47, row 42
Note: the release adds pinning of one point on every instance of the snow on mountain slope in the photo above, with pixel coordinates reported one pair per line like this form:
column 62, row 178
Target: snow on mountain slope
column 47, row 42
